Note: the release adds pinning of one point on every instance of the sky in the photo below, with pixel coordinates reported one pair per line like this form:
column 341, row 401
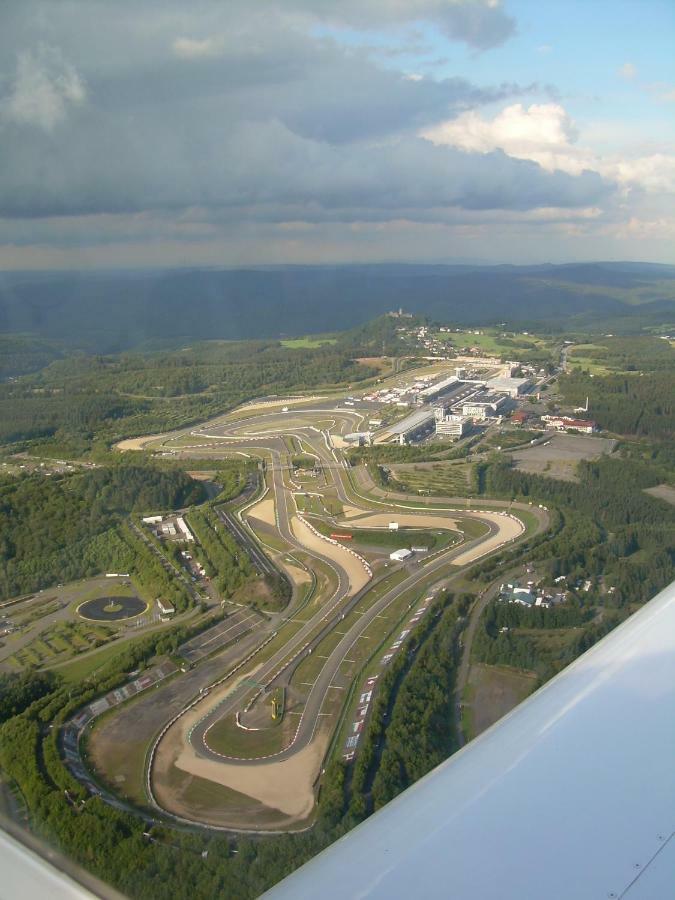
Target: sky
column 150, row 133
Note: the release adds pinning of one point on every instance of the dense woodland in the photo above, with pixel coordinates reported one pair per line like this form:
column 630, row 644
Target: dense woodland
column 222, row 557
column 610, row 529
column 637, row 395
column 60, row 528
column 80, row 398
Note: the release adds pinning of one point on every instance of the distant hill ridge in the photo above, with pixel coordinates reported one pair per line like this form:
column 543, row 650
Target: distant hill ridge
column 109, row 311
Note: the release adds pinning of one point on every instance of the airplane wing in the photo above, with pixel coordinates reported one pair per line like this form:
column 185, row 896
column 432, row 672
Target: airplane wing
column 569, row 797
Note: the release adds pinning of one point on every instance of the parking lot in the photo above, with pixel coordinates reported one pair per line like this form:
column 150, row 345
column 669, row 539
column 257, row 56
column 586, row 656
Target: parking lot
column 558, row 456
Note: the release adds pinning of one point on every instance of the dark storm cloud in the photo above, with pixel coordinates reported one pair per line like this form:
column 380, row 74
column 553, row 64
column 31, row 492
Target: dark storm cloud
column 241, row 110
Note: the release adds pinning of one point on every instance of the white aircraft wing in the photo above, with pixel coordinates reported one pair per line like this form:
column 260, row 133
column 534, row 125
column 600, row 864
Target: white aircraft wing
column 569, row 797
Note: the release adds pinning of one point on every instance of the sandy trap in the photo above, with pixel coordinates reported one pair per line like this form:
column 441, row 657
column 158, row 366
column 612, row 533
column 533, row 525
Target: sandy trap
column 286, row 786
column 352, row 564
column 508, row 529
column 263, row 511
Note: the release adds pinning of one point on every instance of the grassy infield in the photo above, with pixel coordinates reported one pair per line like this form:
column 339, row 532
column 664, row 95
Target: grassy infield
column 67, row 639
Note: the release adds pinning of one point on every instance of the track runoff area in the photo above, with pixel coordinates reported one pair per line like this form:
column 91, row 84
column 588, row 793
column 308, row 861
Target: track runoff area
column 247, row 751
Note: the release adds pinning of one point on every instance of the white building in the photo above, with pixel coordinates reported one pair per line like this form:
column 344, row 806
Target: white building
column 451, row 425
column 563, row 423
column 513, row 387
column 184, row 530
column 165, row 608
column 400, row 555
column 152, row 520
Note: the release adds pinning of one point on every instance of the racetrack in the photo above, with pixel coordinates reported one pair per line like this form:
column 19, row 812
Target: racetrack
column 285, row 779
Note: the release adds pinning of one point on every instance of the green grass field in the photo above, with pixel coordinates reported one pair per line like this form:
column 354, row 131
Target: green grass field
column 307, row 343
column 81, row 669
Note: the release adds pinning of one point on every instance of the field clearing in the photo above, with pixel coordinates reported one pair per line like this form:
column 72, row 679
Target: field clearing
column 491, row 692
column 376, row 362
column 80, row 669
column 662, row 492
column 452, row 479
column 558, row 457
column 406, row 520
column 307, row 343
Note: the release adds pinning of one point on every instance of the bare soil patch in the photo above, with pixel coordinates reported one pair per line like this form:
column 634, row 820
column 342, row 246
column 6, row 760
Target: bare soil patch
column 264, row 511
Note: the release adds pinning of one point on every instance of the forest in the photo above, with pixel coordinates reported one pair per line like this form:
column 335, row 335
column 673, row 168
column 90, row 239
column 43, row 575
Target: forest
column 636, row 394
column 223, row 559
column 112, row 311
column 60, row 528
column 81, row 399
column 611, row 529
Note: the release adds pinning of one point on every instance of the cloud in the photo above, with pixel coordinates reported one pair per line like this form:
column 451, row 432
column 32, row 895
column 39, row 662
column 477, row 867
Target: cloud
column 193, row 48
column 545, row 134
column 280, row 128
column 481, row 24
column 628, row 71
column 44, row 87
column 518, row 131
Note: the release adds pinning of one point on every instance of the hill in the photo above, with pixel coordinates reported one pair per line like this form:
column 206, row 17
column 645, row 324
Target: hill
column 111, row 311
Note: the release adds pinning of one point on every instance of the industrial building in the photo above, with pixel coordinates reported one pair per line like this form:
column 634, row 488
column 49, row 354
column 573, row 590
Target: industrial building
column 484, row 406
column 436, row 390
column 184, row 530
column 165, row 608
column 414, row 426
column 512, row 387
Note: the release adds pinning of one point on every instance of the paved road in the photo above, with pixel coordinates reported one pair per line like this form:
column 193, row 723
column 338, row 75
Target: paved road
column 321, row 686
column 304, row 641
column 263, row 433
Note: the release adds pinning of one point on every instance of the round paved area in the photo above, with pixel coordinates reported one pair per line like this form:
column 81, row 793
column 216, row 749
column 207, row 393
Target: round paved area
column 122, row 608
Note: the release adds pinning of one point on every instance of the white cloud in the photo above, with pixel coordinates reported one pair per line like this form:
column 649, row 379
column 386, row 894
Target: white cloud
column 45, row 85
column 545, row 134
column 526, row 133
column 193, row 48
column 628, row 71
